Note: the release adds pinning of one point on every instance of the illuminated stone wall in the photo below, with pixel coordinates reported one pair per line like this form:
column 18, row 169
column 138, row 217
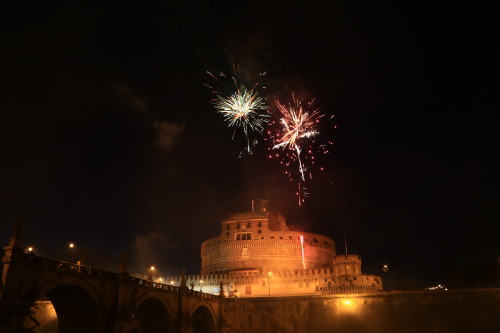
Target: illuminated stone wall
column 458, row 311
column 263, row 242
column 281, row 283
column 256, row 255
column 347, row 265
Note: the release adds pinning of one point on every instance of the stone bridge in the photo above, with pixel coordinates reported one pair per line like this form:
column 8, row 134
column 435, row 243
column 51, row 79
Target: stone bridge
column 64, row 297
column 69, row 298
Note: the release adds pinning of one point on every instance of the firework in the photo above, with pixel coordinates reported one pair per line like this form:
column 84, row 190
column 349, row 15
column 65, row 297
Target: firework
column 298, row 124
column 241, row 107
column 244, row 108
column 294, row 140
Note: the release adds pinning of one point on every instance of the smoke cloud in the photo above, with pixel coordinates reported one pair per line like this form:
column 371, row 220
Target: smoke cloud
column 167, row 133
column 153, row 249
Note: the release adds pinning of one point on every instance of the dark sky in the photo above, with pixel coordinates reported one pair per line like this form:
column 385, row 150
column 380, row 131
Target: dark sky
column 108, row 138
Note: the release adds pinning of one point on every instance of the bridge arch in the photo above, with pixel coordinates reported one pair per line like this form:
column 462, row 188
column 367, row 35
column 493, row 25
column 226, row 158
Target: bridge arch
column 203, row 319
column 153, row 315
column 77, row 310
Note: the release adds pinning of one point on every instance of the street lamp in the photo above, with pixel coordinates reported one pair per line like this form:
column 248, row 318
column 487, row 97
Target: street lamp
column 150, row 273
column 269, row 276
column 72, row 256
column 387, row 283
column 30, row 249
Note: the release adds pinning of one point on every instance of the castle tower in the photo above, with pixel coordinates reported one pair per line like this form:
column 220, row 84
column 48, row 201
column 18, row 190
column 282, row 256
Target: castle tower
column 347, row 265
column 256, row 254
column 261, row 241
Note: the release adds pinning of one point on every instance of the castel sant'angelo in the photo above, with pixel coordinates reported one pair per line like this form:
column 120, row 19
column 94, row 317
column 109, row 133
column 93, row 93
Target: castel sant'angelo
column 258, row 255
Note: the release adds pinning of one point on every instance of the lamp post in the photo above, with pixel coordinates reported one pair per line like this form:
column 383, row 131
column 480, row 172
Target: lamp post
column 71, row 247
column 268, row 276
column 150, row 273
column 386, row 269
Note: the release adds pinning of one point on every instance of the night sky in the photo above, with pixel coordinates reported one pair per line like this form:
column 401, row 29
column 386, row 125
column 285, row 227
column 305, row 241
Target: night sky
column 108, row 138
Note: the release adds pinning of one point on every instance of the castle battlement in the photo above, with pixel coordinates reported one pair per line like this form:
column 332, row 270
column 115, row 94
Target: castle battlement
column 257, row 254
column 285, row 282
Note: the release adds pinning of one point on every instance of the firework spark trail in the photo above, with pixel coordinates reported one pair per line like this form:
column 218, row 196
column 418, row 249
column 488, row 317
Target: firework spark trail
column 240, row 107
column 294, row 138
column 298, row 124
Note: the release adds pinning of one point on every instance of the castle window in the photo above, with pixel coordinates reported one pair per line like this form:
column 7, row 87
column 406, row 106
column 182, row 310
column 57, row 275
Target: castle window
column 227, row 226
column 260, row 231
column 272, row 237
column 237, row 225
column 315, row 240
column 290, row 237
column 248, row 225
column 245, row 236
column 281, row 237
column 259, row 224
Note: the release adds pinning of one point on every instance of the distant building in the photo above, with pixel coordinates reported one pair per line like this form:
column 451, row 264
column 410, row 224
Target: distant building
column 257, row 255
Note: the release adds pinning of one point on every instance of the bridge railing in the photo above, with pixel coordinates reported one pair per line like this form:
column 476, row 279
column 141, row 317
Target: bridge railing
column 71, row 268
column 171, row 288
column 67, row 267
column 203, row 295
column 152, row 284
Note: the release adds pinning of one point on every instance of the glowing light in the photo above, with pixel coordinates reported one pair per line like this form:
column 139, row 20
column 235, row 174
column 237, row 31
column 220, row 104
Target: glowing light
column 172, row 282
column 152, row 268
column 241, row 107
column 350, row 306
column 438, row 287
column 71, row 245
column 30, row 249
column 302, row 245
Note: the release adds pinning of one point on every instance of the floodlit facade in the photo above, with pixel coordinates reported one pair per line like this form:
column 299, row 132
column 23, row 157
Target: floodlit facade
column 258, row 255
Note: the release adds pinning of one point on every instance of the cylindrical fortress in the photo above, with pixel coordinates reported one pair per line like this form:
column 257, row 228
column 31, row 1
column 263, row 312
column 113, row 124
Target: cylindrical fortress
column 261, row 241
